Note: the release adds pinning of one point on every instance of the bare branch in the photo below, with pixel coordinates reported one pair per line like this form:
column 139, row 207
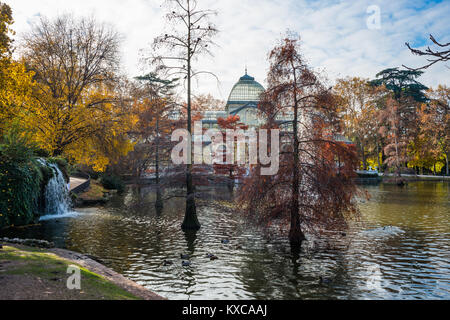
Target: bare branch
column 436, row 56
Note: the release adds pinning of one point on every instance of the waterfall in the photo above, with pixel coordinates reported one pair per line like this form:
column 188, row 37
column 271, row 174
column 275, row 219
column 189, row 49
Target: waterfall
column 56, row 195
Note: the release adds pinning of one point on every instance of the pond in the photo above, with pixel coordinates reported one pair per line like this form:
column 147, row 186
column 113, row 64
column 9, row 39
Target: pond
column 400, row 250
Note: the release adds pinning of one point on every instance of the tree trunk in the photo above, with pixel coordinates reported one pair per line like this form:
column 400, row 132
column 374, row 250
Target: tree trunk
column 296, row 236
column 380, row 169
column 159, row 205
column 231, row 180
column 397, row 159
column 364, row 158
column 446, row 161
column 190, row 219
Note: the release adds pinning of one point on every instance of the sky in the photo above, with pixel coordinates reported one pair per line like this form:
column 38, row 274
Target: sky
column 339, row 38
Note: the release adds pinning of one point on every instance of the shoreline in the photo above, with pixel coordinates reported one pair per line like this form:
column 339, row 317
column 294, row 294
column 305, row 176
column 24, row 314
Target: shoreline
column 390, row 179
column 78, row 259
column 107, row 273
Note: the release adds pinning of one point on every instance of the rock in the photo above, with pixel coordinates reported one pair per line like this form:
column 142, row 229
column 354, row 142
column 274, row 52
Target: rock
column 31, row 242
column 401, row 183
column 185, row 256
column 168, row 263
column 186, row 263
column 37, row 243
column 384, row 232
column 325, row 280
column 96, row 259
column 212, row 257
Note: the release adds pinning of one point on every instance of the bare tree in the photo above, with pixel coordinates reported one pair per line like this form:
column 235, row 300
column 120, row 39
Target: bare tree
column 434, row 56
column 191, row 37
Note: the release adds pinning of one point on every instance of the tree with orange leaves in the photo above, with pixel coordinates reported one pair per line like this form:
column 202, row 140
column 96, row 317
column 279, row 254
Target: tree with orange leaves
column 314, row 187
column 233, row 170
column 154, row 105
column 359, row 114
column 434, row 130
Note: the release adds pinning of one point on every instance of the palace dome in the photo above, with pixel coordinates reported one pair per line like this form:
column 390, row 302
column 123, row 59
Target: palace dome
column 246, row 90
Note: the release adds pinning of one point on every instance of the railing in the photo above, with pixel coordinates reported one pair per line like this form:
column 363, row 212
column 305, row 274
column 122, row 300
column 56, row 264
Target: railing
column 84, row 186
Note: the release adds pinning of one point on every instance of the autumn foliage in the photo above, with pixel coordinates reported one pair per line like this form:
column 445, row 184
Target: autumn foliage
column 314, row 188
column 233, row 170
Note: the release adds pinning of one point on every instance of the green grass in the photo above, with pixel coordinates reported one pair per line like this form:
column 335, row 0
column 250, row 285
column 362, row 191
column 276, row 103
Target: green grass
column 53, row 270
column 95, row 192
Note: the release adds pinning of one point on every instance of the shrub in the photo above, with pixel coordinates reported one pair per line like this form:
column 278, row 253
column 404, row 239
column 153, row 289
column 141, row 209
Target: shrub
column 42, row 153
column 62, row 165
column 112, row 182
column 94, row 175
column 16, row 146
column 408, row 171
column 46, row 173
column 20, row 180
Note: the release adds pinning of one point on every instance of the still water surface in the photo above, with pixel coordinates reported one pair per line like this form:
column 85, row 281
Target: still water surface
column 401, row 250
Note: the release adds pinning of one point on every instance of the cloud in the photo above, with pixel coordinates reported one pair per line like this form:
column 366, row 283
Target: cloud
column 334, row 34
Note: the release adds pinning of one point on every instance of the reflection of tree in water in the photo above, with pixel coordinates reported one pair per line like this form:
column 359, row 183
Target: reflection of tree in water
column 274, row 272
column 159, row 204
column 189, row 279
column 134, row 241
column 136, row 234
column 191, row 237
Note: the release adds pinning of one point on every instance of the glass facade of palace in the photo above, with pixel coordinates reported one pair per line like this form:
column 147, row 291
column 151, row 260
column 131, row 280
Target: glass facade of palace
column 243, row 101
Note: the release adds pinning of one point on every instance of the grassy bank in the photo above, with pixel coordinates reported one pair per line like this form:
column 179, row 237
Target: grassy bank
column 36, row 274
column 95, row 195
